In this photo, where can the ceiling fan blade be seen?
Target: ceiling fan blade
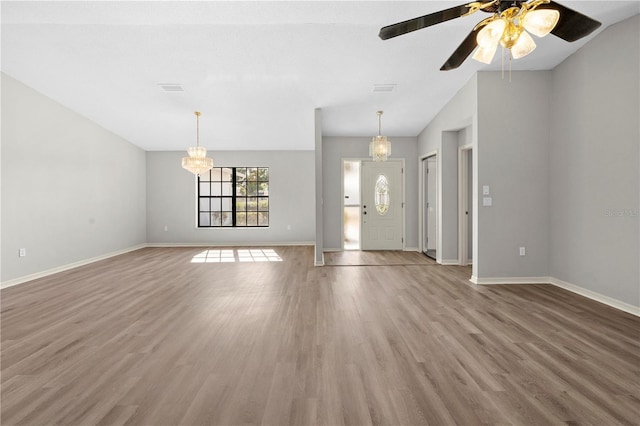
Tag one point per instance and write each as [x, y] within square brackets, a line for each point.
[572, 25]
[410, 25]
[462, 52]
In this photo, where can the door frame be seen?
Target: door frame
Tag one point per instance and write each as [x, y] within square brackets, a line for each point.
[421, 212]
[463, 203]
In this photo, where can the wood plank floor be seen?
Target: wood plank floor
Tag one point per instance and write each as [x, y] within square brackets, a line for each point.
[377, 258]
[150, 338]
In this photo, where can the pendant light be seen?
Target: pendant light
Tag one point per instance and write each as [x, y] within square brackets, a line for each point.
[380, 147]
[197, 162]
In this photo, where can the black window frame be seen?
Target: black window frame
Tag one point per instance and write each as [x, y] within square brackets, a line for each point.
[237, 199]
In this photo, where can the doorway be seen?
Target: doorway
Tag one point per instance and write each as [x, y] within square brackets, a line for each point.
[430, 206]
[382, 193]
[465, 205]
[373, 205]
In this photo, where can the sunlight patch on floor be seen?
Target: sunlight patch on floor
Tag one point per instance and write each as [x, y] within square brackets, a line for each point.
[236, 255]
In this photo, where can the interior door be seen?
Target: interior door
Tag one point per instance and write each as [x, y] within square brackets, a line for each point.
[382, 218]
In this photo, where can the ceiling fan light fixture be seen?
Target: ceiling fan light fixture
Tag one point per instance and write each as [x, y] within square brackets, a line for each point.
[552, 17]
[540, 22]
[523, 46]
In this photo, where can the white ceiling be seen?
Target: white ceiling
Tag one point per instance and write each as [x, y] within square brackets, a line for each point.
[256, 69]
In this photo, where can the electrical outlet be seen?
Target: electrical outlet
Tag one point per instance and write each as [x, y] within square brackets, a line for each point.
[522, 251]
[22, 252]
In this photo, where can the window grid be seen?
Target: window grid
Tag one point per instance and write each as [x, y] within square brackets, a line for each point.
[234, 197]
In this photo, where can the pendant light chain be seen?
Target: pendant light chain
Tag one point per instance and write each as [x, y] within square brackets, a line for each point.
[198, 128]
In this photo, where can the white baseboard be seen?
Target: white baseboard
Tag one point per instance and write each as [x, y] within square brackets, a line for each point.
[448, 262]
[332, 250]
[232, 244]
[510, 280]
[412, 249]
[42, 274]
[614, 303]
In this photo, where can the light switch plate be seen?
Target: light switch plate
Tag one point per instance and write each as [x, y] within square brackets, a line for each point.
[486, 190]
[487, 201]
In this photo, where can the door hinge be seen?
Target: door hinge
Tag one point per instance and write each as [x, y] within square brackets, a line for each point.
[403, 204]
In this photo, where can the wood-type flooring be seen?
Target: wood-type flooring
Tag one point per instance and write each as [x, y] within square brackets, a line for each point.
[160, 336]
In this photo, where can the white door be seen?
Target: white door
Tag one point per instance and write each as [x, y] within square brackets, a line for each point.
[381, 192]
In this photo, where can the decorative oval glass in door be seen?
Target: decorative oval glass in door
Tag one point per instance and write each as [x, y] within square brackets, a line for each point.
[381, 195]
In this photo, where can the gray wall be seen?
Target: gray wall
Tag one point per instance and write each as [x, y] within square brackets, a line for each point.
[448, 182]
[171, 195]
[513, 159]
[71, 190]
[457, 120]
[334, 149]
[594, 179]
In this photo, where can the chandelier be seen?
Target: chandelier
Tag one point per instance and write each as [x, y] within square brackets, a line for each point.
[197, 162]
[380, 147]
[507, 28]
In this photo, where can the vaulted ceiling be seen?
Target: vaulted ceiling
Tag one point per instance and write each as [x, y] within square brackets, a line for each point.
[256, 69]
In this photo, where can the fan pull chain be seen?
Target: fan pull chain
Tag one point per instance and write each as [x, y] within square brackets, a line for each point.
[510, 61]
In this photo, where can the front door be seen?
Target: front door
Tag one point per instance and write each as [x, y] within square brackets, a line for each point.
[382, 218]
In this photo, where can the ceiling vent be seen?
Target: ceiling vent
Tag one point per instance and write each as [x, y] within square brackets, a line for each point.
[384, 87]
[171, 87]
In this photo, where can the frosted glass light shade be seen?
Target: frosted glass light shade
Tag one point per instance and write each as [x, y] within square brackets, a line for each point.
[541, 22]
[485, 54]
[379, 148]
[489, 36]
[523, 46]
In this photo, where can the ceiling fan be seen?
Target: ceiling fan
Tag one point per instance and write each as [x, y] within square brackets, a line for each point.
[509, 25]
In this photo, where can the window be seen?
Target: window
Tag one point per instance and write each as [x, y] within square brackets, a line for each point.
[233, 197]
